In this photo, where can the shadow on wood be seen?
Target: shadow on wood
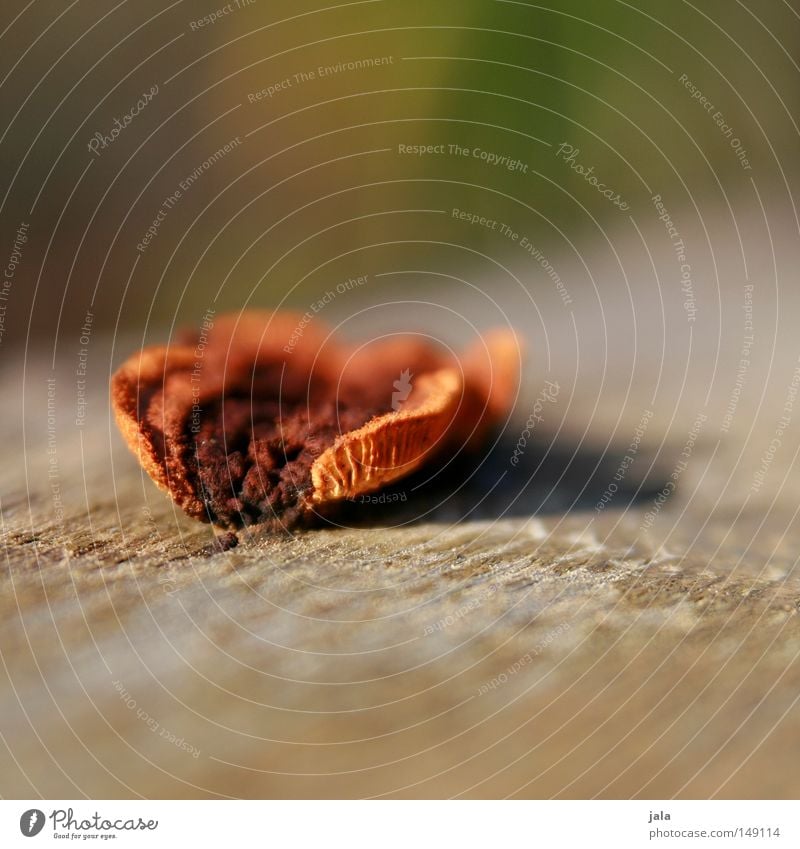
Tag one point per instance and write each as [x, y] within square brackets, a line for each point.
[544, 480]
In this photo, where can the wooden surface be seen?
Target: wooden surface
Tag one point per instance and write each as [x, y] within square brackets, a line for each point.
[525, 656]
[533, 646]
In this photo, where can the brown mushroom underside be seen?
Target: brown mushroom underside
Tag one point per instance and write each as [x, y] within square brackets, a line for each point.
[252, 423]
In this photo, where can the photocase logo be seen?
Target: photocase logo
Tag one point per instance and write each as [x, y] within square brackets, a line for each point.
[66, 825]
[31, 822]
[402, 389]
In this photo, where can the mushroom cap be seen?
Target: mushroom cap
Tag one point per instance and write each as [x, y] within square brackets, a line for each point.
[390, 446]
[451, 401]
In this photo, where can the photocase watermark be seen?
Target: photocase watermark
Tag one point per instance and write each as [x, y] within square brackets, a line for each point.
[497, 160]
[495, 225]
[780, 429]
[100, 141]
[528, 246]
[53, 473]
[744, 360]
[680, 467]
[569, 154]
[520, 664]
[80, 371]
[451, 619]
[31, 822]
[680, 254]
[9, 272]
[380, 498]
[195, 379]
[626, 462]
[402, 389]
[172, 200]
[319, 305]
[152, 723]
[218, 14]
[719, 119]
[318, 73]
[95, 826]
[476, 219]
[156, 541]
[548, 395]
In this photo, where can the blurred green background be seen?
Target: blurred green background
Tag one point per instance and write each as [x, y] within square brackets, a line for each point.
[316, 190]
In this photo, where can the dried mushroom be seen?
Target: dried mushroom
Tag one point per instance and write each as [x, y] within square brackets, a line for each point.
[266, 418]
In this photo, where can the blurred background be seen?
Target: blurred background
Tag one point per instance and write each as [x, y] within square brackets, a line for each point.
[320, 104]
[618, 182]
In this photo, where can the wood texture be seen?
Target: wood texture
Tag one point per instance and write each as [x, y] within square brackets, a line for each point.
[543, 650]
